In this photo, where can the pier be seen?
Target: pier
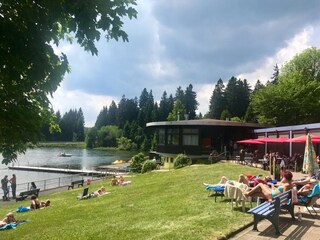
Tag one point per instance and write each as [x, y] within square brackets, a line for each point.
[104, 170]
[57, 170]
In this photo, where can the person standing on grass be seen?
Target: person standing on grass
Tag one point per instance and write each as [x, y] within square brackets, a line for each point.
[13, 182]
[4, 186]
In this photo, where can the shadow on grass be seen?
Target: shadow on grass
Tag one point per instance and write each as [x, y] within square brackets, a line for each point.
[290, 229]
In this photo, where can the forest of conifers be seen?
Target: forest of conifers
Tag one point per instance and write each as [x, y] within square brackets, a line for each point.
[291, 96]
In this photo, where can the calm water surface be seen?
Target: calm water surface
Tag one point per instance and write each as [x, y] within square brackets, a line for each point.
[85, 159]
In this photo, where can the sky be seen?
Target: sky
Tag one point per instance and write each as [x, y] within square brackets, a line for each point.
[180, 42]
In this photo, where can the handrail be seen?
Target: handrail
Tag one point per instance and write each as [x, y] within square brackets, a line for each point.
[52, 183]
[211, 158]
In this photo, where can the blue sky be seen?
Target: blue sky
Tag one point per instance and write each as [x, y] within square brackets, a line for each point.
[178, 42]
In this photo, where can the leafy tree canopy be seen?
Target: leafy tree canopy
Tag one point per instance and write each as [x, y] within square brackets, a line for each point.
[30, 70]
[177, 112]
[295, 99]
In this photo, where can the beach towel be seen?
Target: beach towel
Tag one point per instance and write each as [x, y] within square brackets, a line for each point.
[124, 183]
[22, 209]
[215, 188]
[8, 226]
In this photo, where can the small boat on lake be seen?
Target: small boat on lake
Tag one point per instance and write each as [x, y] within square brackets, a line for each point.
[64, 155]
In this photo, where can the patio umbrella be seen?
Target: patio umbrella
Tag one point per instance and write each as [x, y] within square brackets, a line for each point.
[303, 138]
[273, 140]
[310, 164]
[250, 141]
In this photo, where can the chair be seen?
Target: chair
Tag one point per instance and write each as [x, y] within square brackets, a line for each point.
[310, 200]
[84, 194]
[234, 191]
[215, 190]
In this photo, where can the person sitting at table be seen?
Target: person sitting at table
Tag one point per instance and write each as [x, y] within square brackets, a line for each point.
[264, 191]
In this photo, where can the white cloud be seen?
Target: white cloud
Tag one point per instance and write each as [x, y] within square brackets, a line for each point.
[204, 92]
[90, 104]
[168, 48]
[296, 45]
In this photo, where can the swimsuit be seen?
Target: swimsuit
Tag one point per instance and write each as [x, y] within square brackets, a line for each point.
[273, 192]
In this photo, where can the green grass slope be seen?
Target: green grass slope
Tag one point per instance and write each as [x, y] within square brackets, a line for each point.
[157, 205]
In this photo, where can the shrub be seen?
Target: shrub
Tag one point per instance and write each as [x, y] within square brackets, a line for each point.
[126, 144]
[136, 162]
[148, 166]
[181, 160]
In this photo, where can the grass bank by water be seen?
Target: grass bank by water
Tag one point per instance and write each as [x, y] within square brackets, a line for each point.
[157, 205]
[62, 144]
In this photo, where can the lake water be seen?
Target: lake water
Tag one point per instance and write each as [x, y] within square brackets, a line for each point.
[85, 159]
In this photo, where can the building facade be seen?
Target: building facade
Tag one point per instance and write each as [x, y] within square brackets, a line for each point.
[198, 138]
[294, 131]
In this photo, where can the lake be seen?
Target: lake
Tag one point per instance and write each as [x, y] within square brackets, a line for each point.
[85, 159]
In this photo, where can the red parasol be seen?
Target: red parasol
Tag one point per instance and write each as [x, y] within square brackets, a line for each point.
[303, 138]
[250, 141]
[273, 140]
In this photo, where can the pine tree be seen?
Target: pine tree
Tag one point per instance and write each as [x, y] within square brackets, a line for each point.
[190, 102]
[217, 101]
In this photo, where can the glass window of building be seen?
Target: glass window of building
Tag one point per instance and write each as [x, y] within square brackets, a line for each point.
[173, 136]
[162, 136]
[190, 137]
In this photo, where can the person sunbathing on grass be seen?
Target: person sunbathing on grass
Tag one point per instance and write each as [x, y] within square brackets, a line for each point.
[100, 192]
[122, 182]
[303, 181]
[114, 181]
[103, 189]
[8, 219]
[264, 191]
[307, 189]
[221, 183]
[36, 204]
[97, 193]
[242, 179]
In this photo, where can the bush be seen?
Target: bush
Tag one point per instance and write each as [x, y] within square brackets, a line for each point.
[136, 162]
[181, 161]
[126, 144]
[148, 166]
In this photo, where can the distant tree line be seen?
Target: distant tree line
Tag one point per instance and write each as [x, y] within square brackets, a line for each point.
[71, 127]
[125, 122]
[291, 96]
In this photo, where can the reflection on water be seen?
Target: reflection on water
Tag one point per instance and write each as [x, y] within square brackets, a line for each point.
[85, 159]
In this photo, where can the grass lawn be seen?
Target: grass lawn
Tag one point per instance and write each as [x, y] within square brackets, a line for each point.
[62, 144]
[157, 205]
